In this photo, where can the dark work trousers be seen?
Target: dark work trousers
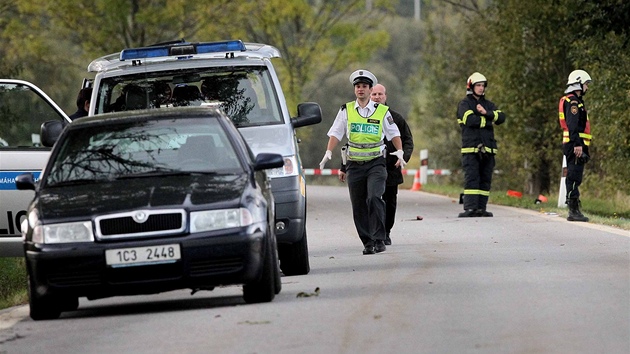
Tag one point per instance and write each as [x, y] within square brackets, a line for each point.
[478, 175]
[390, 197]
[575, 171]
[366, 184]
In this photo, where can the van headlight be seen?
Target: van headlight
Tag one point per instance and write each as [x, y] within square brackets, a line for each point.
[64, 233]
[209, 220]
[290, 168]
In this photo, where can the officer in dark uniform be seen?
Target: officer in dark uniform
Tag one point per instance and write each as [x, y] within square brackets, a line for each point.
[365, 124]
[83, 103]
[394, 172]
[576, 138]
[477, 117]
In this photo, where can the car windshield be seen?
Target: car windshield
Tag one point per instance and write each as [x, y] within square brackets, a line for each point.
[245, 94]
[147, 148]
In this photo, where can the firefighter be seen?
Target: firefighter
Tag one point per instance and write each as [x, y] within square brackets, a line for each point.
[477, 117]
[576, 138]
[366, 124]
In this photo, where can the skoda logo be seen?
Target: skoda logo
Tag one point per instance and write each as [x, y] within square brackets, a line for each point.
[140, 217]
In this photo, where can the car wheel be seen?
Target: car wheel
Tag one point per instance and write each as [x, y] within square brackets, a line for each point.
[294, 257]
[42, 307]
[276, 267]
[263, 290]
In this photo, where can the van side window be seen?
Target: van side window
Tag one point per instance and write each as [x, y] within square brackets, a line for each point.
[22, 112]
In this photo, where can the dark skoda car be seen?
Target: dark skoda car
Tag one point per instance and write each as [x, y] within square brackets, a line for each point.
[146, 202]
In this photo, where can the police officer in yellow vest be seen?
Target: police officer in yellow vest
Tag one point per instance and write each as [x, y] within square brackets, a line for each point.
[365, 124]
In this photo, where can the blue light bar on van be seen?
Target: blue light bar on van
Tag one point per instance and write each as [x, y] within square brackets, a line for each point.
[182, 49]
[225, 46]
[141, 53]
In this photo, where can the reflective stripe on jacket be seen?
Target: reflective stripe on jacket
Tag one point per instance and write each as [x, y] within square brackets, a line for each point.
[571, 106]
[477, 129]
[365, 133]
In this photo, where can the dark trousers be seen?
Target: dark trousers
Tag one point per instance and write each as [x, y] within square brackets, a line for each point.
[575, 171]
[478, 175]
[390, 197]
[366, 184]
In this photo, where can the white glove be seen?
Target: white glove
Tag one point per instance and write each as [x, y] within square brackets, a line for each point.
[327, 157]
[399, 154]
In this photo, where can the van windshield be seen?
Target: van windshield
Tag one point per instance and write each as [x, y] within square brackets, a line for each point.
[245, 94]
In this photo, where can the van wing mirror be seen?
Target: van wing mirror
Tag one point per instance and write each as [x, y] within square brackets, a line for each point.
[50, 132]
[309, 113]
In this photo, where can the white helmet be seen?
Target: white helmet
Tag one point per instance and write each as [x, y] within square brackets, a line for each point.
[578, 77]
[474, 79]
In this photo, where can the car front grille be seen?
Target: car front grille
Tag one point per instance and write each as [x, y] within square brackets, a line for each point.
[141, 223]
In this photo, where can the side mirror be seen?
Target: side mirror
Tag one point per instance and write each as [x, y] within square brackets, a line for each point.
[50, 132]
[265, 161]
[25, 181]
[309, 113]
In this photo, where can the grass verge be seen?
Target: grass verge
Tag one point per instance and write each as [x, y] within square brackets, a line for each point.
[614, 211]
[12, 282]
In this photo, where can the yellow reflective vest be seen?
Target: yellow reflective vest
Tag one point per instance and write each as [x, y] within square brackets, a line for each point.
[365, 134]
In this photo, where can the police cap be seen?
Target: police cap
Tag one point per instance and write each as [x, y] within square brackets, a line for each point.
[363, 76]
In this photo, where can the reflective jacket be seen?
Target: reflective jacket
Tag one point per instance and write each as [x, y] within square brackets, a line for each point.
[365, 133]
[576, 128]
[477, 129]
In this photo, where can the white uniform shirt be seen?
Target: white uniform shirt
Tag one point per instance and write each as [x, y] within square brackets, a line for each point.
[339, 127]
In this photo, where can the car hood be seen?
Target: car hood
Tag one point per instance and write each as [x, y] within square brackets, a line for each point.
[275, 139]
[192, 192]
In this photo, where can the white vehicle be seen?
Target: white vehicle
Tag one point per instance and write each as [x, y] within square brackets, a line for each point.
[239, 77]
[23, 109]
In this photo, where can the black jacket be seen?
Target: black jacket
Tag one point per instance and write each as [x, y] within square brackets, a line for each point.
[78, 114]
[394, 174]
[476, 128]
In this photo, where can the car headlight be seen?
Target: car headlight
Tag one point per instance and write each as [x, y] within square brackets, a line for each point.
[64, 233]
[290, 168]
[209, 220]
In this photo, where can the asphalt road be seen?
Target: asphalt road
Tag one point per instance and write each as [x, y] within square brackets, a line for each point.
[520, 282]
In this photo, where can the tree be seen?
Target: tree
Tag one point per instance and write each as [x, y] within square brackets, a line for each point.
[316, 38]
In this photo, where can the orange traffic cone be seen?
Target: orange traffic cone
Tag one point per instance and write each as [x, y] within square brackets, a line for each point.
[416, 182]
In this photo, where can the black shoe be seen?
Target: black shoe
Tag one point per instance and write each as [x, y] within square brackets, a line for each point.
[468, 213]
[369, 249]
[380, 247]
[484, 213]
[388, 241]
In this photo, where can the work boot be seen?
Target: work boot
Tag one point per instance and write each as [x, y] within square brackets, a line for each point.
[380, 246]
[484, 213]
[574, 210]
[468, 213]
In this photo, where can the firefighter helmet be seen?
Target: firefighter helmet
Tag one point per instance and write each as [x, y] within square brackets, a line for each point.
[578, 77]
[473, 79]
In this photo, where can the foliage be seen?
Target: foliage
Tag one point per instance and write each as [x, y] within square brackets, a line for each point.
[315, 39]
[12, 281]
[527, 60]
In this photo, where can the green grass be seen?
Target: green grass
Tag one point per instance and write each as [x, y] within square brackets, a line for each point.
[12, 282]
[613, 211]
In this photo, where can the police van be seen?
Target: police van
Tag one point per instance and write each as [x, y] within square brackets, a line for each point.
[241, 78]
[23, 109]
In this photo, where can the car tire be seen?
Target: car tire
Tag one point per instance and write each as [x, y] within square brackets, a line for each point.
[276, 267]
[264, 289]
[294, 257]
[42, 307]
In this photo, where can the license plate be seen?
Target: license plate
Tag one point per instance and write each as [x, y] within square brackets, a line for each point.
[125, 257]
